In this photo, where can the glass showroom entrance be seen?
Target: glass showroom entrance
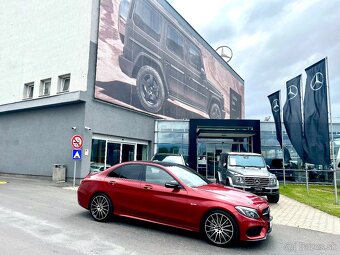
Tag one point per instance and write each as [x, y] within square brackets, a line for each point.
[107, 152]
[209, 150]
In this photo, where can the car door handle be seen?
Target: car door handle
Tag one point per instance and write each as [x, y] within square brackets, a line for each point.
[112, 182]
[147, 187]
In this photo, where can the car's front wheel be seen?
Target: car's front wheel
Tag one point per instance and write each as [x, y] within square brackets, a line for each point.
[273, 198]
[150, 89]
[101, 207]
[220, 229]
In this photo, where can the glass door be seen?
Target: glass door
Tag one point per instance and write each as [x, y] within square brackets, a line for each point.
[128, 152]
[112, 154]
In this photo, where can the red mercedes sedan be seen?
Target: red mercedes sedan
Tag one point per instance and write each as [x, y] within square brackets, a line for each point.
[175, 195]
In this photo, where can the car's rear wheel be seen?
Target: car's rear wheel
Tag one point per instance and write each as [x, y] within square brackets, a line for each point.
[273, 198]
[150, 89]
[101, 207]
[220, 228]
[215, 111]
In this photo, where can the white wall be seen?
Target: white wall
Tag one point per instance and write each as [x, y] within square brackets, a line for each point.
[42, 39]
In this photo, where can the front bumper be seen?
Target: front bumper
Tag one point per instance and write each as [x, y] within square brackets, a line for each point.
[126, 65]
[255, 229]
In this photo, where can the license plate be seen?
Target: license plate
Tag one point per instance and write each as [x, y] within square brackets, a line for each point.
[258, 189]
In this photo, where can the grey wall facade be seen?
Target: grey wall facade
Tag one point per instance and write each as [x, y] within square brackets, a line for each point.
[32, 141]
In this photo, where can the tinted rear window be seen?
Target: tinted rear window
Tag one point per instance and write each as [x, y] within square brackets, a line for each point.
[131, 172]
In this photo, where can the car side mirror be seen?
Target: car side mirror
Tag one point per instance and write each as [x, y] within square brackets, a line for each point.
[173, 185]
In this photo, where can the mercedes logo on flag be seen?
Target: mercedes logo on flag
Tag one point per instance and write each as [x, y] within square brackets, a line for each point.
[292, 92]
[317, 81]
[275, 105]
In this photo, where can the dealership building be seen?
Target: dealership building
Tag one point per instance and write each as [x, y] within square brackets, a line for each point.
[130, 78]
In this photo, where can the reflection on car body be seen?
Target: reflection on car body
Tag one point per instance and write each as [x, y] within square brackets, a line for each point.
[165, 62]
[174, 195]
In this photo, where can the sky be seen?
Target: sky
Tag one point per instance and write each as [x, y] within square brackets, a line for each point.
[272, 41]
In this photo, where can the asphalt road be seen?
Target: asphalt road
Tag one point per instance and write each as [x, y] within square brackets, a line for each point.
[40, 217]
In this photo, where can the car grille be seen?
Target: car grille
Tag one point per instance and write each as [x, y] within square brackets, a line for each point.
[256, 181]
[266, 213]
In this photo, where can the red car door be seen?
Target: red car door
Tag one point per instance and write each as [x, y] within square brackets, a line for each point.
[124, 189]
[160, 203]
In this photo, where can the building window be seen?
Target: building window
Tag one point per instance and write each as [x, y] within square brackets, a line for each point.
[45, 87]
[28, 90]
[64, 83]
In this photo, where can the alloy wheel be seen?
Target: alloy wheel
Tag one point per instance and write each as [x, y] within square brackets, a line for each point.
[100, 207]
[219, 228]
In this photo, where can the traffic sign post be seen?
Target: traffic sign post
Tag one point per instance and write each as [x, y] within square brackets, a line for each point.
[76, 154]
[77, 144]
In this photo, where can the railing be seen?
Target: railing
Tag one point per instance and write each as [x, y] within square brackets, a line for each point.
[300, 175]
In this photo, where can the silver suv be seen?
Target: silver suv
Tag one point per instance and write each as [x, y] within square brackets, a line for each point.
[248, 171]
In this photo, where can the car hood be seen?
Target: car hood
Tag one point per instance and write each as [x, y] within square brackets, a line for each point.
[250, 171]
[233, 196]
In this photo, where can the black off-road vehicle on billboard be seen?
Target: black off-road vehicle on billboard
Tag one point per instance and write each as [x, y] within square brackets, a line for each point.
[165, 61]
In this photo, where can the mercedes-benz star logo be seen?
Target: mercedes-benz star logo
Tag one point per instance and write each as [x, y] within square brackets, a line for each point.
[275, 105]
[317, 81]
[257, 181]
[292, 92]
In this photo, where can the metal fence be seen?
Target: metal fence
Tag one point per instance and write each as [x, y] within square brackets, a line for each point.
[303, 175]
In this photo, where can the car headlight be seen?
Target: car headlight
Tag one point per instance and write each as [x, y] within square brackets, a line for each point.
[248, 212]
[238, 180]
[272, 181]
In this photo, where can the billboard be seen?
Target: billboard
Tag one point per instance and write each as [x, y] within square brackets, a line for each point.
[151, 60]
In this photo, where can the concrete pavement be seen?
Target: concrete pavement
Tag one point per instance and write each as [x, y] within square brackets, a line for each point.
[289, 212]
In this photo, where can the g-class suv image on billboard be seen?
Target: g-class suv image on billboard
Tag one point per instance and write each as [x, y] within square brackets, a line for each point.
[165, 60]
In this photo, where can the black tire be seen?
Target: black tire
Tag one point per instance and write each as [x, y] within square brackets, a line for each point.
[101, 207]
[220, 229]
[215, 111]
[150, 89]
[273, 198]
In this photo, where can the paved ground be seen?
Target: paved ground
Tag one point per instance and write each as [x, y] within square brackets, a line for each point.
[292, 213]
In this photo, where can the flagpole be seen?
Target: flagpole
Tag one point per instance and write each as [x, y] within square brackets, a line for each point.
[303, 133]
[332, 135]
[283, 153]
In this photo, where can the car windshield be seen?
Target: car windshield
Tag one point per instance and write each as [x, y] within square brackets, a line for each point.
[187, 176]
[246, 161]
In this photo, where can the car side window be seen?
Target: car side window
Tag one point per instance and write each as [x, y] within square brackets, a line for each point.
[195, 57]
[148, 19]
[157, 175]
[131, 172]
[175, 41]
